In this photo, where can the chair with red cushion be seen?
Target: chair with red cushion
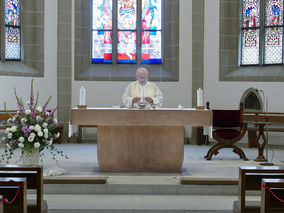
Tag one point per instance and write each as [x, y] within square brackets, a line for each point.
[228, 129]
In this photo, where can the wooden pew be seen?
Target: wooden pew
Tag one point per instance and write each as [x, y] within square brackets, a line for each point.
[250, 178]
[34, 175]
[9, 190]
[276, 120]
[1, 204]
[268, 202]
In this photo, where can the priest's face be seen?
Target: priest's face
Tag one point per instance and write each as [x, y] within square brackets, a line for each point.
[142, 76]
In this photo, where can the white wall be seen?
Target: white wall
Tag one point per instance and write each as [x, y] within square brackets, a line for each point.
[48, 84]
[227, 95]
[108, 93]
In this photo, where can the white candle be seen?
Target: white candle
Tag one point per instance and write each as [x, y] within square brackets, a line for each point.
[82, 100]
[200, 97]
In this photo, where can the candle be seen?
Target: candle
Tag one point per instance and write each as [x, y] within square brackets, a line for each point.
[82, 100]
[200, 97]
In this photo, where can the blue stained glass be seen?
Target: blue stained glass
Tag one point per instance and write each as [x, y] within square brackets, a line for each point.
[126, 13]
[151, 47]
[126, 47]
[102, 14]
[102, 47]
[274, 13]
[151, 14]
[251, 13]
[12, 12]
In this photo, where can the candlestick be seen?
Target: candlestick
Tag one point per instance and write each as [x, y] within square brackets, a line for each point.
[82, 100]
[200, 97]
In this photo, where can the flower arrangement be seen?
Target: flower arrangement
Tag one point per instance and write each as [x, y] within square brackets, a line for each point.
[30, 129]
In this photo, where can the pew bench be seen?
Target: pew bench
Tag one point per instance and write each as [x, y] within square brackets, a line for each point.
[250, 178]
[1, 204]
[275, 119]
[268, 202]
[9, 189]
[34, 176]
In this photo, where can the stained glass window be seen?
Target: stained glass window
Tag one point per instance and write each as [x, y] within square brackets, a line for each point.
[250, 46]
[151, 31]
[126, 24]
[250, 32]
[262, 36]
[12, 30]
[102, 31]
[273, 32]
[124, 47]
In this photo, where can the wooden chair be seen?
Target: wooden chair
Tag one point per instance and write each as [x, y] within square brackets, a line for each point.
[34, 175]
[268, 202]
[228, 129]
[9, 188]
[250, 178]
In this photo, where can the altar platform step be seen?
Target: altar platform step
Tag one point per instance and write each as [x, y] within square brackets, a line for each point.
[140, 185]
[139, 204]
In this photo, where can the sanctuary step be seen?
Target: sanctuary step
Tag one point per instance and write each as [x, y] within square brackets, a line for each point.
[139, 203]
[143, 194]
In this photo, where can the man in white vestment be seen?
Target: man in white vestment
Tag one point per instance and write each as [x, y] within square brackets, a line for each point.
[142, 91]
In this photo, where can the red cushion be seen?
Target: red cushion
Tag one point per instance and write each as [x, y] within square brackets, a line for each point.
[227, 133]
[226, 118]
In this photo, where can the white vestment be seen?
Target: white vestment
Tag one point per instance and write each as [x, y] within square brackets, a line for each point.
[148, 90]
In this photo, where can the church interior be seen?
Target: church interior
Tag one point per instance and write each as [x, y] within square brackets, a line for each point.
[211, 143]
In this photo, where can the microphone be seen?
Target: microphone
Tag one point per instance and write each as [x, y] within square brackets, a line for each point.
[265, 103]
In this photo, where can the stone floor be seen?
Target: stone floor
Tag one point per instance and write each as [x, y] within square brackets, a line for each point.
[147, 192]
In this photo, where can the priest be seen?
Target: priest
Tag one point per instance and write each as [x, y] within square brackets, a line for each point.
[142, 92]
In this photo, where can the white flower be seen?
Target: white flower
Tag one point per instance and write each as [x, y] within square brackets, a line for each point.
[23, 120]
[10, 135]
[45, 130]
[44, 125]
[55, 120]
[36, 145]
[31, 127]
[3, 139]
[39, 109]
[28, 102]
[40, 134]
[13, 129]
[49, 142]
[21, 145]
[47, 113]
[21, 139]
[8, 130]
[27, 111]
[30, 138]
[18, 112]
[10, 120]
[37, 128]
[8, 146]
[57, 135]
[38, 118]
[33, 134]
[46, 135]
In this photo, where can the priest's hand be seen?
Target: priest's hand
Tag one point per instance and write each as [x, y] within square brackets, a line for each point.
[135, 100]
[149, 100]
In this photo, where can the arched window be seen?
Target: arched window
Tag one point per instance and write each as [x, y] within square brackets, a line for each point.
[12, 30]
[261, 40]
[127, 31]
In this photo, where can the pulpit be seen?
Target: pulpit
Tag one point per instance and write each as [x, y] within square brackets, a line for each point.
[133, 140]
